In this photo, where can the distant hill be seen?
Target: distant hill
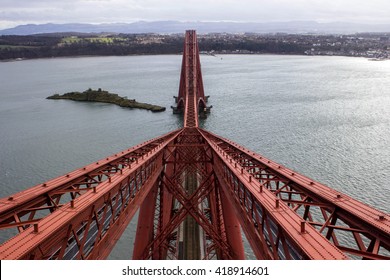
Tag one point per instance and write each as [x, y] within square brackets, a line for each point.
[168, 27]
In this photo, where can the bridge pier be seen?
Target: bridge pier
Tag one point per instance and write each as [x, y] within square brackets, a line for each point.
[176, 110]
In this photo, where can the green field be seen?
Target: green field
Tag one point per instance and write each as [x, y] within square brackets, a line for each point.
[76, 40]
[17, 47]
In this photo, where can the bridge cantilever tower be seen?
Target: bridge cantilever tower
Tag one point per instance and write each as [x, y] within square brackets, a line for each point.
[195, 192]
[191, 96]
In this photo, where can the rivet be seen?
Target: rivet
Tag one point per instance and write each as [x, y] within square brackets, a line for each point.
[311, 183]
[67, 175]
[292, 173]
[338, 195]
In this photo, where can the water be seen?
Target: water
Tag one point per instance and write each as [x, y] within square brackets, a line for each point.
[326, 117]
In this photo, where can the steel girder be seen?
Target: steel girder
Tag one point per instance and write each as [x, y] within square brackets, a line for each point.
[188, 158]
[25, 208]
[353, 227]
[191, 106]
[190, 179]
[264, 196]
[145, 233]
[88, 226]
[191, 98]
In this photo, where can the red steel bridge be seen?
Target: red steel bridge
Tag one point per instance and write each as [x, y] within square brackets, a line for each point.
[196, 192]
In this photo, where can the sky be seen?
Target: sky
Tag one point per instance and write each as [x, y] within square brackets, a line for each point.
[17, 12]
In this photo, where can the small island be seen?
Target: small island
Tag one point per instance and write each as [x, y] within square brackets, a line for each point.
[106, 97]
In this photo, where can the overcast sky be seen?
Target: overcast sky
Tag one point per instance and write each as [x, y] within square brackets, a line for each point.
[16, 12]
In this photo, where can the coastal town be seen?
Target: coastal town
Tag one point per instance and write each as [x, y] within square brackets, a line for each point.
[370, 45]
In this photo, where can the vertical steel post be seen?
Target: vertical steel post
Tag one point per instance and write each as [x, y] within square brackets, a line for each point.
[145, 232]
[166, 202]
[233, 229]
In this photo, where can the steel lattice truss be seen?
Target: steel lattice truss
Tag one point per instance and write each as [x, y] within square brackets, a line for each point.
[356, 229]
[195, 191]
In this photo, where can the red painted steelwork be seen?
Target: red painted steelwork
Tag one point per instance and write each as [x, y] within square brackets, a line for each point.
[259, 213]
[191, 106]
[194, 190]
[332, 213]
[189, 154]
[144, 234]
[88, 227]
[165, 205]
[191, 98]
[27, 207]
[233, 229]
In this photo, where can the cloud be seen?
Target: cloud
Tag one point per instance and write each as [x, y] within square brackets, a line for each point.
[99, 11]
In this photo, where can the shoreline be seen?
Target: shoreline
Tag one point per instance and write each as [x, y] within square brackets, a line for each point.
[215, 54]
[77, 56]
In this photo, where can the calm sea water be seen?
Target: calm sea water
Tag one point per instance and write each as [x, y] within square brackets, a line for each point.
[326, 117]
